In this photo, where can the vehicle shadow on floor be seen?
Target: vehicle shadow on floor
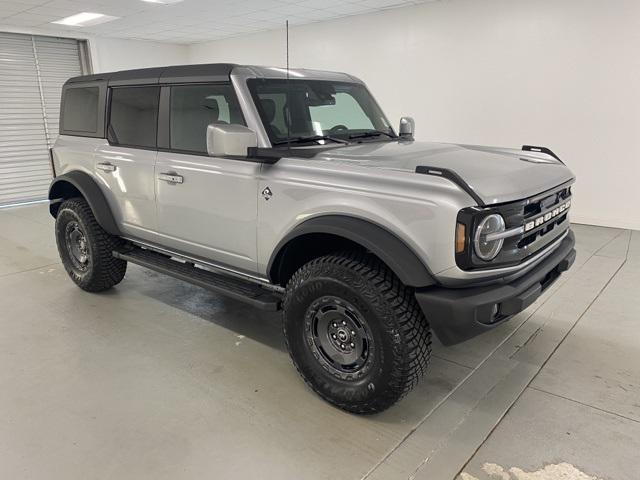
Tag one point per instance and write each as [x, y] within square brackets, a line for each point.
[243, 319]
[266, 327]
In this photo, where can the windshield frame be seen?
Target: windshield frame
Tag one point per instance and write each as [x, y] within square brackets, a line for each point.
[281, 142]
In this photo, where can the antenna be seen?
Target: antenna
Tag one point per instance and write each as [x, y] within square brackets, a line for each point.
[288, 111]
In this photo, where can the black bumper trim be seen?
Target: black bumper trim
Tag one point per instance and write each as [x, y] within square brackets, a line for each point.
[456, 315]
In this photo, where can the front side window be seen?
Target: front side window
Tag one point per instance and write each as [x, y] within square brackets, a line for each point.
[304, 109]
[80, 111]
[194, 107]
[133, 118]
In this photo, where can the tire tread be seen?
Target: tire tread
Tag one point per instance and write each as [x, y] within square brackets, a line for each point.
[414, 350]
[108, 270]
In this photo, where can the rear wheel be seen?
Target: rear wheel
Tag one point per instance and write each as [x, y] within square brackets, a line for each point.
[355, 332]
[86, 249]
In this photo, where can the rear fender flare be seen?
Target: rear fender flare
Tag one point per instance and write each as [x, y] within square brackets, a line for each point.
[65, 186]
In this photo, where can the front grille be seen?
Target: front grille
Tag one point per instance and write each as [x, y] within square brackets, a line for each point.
[539, 237]
[527, 212]
[531, 238]
[537, 204]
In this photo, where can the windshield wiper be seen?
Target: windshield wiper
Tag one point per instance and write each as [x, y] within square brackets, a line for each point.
[371, 133]
[312, 138]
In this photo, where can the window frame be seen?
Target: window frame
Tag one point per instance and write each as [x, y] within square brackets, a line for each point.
[164, 118]
[253, 82]
[101, 121]
[108, 116]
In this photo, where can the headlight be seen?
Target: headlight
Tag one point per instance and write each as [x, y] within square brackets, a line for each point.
[485, 248]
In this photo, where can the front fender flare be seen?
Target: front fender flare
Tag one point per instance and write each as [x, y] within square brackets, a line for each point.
[59, 190]
[393, 251]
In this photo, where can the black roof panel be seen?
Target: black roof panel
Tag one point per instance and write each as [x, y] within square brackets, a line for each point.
[206, 72]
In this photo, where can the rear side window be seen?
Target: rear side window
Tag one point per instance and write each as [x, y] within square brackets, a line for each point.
[80, 112]
[133, 117]
[194, 107]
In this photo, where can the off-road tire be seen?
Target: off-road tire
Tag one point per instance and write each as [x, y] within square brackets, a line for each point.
[101, 270]
[399, 331]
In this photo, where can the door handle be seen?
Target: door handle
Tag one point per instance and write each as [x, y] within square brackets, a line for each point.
[171, 177]
[106, 167]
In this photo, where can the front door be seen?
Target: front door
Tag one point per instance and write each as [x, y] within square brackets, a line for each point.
[206, 206]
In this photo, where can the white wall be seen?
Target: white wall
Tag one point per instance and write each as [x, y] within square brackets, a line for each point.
[110, 54]
[560, 73]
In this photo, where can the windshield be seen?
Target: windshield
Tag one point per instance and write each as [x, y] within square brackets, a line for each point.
[337, 111]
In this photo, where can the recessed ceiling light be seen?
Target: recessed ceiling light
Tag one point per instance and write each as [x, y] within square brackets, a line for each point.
[164, 2]
[85, 19]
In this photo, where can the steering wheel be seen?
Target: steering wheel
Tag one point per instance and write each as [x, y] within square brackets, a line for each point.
[337, 128]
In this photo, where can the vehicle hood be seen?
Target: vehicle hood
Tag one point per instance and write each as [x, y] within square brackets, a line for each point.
[495, 174]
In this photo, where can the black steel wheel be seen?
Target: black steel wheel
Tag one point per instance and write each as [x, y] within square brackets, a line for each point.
[354, 332]
[86, 249]
[338, 335]
[77, 246]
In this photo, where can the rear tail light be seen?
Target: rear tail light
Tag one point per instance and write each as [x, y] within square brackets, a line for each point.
[53, 167]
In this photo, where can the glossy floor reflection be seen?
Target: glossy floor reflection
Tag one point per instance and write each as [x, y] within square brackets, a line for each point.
[158, 379]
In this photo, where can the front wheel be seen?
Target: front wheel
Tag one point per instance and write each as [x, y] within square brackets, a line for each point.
[86, 250]
[355, 333]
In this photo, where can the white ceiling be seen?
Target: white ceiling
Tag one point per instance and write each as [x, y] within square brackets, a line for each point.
[190, 21]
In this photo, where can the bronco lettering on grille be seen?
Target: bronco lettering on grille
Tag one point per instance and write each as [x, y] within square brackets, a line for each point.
[542, 219]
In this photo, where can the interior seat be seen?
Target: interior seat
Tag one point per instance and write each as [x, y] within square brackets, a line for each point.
[269, 109]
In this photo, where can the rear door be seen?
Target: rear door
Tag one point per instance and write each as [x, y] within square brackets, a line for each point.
[125, 163]
[207, 206]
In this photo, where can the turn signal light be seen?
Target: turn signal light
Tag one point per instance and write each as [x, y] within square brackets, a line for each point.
[460, 237]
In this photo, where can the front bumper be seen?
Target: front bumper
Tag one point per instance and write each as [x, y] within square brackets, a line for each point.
[458, 314]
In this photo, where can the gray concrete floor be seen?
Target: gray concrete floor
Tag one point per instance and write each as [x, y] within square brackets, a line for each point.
[157, 379]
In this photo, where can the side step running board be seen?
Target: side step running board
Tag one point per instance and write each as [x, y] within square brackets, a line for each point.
[238, 289]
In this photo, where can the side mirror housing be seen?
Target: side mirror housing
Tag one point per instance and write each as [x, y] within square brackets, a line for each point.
[224, 140]
[407, 128]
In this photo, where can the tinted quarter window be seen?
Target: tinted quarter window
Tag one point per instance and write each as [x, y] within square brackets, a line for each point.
[133, 118]
[80, 111]
[194, 107]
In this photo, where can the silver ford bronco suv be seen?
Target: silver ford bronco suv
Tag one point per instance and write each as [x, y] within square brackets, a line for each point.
[290, 189]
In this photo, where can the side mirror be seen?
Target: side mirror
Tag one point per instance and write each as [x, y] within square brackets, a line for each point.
[223, 140]
[407, 128]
